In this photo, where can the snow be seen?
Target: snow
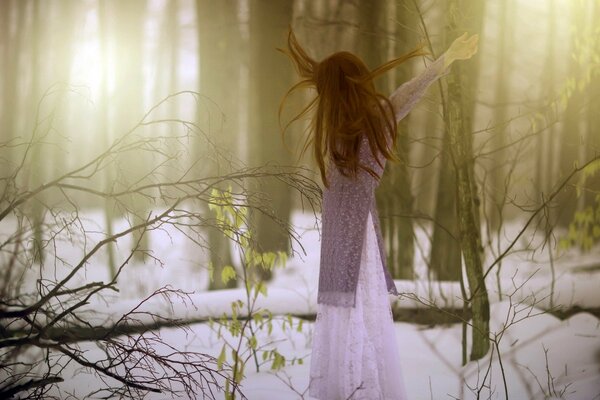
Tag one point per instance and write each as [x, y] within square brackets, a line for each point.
[431, 359]
[542, 356]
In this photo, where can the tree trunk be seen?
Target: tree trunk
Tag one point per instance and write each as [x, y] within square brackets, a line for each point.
[219, 40]
[572, 134]
[36, 169]
[445, 261]
[445, 249]
[105, 134]
[545, 138]
[497, 175]
[270, 77]
[10, 75]
[394, 196]
[592, 143]
[127, 109]
[458, 124]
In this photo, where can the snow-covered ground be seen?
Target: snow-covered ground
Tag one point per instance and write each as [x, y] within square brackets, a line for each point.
[542, 357]
[570, 369]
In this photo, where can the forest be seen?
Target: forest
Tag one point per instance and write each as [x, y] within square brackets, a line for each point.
[160, 232]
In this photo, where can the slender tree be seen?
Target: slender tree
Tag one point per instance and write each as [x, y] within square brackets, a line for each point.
[544, 139]
[593, 119]
[12, 34]
[496, 184]
[394, 197]
[36, 171]
[270, 76]
[445, 259]
[104, 132]
[458, 118]
[571, 135]
[128, 19]
[219, 39]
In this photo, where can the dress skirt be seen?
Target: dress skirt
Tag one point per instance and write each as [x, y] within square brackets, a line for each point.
[354, 349]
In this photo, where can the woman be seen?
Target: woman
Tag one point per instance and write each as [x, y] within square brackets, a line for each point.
[353, 133]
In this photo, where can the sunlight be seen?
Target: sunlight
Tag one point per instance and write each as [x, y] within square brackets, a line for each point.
[87, 66]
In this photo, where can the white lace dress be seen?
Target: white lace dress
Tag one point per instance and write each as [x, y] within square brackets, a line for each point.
[354, 350]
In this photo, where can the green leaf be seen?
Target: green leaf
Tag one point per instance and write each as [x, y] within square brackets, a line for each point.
[221, 358]
[211, 271]
[283, 257]
[240, 374]
[253, 342]
[258, 318]
[228, 394]
[278, 361]
[268, 260]
[261, 288]
[228, 273]
[239, 220]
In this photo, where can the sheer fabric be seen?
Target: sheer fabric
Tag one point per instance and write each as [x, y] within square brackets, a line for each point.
[354, 350]
[348, 201]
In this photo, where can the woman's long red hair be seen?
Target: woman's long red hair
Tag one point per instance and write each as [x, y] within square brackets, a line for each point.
[348, 106]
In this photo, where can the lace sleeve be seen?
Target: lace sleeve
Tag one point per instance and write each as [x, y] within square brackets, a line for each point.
[405, 97]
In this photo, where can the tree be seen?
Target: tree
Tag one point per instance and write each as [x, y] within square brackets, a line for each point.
[458, 124]
[128, 19]
[544, 139]
[103, 125]
[270, 77]
[45, 320]
[593, 118]
[445, 260]
[35, 171]
[219, 40]
[12, 40]
[571, 134]
[497, 175]
[394, 196]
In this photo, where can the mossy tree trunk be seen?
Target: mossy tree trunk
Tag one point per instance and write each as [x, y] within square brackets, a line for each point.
[458, 114]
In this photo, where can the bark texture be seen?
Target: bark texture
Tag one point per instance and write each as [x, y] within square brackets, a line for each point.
[459, 109]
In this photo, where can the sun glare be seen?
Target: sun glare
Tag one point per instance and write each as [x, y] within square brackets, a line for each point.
[87, 66]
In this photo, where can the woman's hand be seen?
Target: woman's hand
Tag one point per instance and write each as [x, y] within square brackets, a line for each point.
[462, 48]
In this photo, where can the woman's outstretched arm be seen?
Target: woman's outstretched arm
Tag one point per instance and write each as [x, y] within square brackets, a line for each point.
[405, 97]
